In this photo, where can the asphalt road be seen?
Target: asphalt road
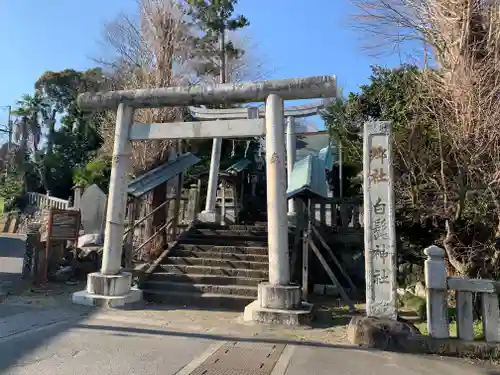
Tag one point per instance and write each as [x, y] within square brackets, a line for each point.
[62, 348]
[62, 341]
[73, 340]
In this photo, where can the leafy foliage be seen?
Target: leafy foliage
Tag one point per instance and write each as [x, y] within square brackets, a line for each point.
[47, 163]
[98, 172]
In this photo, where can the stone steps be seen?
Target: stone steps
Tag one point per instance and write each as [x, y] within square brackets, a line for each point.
[206, 279]
[216, 271]
[236, 290]
[220, 255]
[213, 267]
[231, 232]
[217, 262]
[219, 240]
[256, 227]
[204, 300]
[248, 250]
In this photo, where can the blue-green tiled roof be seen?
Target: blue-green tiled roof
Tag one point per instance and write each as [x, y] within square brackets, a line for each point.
[149, 180]
[308, 178]
[327, 157]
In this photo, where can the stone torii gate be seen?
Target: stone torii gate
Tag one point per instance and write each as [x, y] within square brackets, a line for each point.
[111, 286]
[290, 114]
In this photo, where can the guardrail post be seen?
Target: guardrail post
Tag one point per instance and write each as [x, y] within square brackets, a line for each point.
[465, 317]
[437, 293]
[32, 252]
[77, 196]
[491, 317]
[192, 201]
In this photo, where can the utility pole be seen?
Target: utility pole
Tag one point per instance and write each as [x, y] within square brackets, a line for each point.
[9, 126]
[8, 130]
[341, 185]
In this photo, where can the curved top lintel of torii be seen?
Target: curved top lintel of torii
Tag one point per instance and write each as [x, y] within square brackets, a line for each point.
[305, 110]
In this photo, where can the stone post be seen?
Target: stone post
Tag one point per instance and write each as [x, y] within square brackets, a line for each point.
[210, 213]
[192, 202]
[278, 300]
[31, 253]
[291, 146]
[110, 286]
[437, 293]
[77, 196]
[279, 273]
[380, 231]
[223, 203]
[117, 200]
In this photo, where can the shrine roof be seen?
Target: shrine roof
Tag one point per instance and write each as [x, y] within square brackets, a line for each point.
[239, 166]
[151, 179]
[308, 178]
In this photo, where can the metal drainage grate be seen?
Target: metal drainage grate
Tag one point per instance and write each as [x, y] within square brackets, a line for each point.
[241, 358]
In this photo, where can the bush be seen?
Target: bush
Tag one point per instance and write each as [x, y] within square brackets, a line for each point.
[96, 172]
[12, 190]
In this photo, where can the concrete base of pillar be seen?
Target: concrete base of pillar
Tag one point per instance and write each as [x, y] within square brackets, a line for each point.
[108, 291]
[279, 304]
[209, 217]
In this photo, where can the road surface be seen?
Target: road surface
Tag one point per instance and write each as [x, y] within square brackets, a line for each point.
[69, 339]
[80, 342]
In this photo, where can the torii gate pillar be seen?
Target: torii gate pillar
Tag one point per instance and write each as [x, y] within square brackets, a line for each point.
[278, 300]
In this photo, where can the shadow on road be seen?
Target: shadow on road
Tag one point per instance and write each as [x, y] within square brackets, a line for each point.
[14, 348]
[47, 326]
[129, 331]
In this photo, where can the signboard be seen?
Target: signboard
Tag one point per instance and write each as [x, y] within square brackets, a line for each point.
[63, 225]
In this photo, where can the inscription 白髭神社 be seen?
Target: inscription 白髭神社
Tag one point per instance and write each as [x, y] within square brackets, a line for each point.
[379, 221]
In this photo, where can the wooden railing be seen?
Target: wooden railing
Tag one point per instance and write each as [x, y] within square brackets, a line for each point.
[44, 201]
[339, 213]
[314, 243]
[438, 287]
[181, 211]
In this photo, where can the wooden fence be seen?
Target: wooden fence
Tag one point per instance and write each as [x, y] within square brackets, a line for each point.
[45, 201]
[339, 213]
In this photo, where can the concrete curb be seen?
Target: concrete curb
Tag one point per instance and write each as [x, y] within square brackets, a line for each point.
[454, 347]
[401, 336]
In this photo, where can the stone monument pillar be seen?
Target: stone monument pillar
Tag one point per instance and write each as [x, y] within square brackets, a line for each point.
[380, 232]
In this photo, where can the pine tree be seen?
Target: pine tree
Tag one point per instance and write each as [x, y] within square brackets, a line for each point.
[212, 49]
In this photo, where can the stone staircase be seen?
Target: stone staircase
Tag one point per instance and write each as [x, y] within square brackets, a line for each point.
[212, 266]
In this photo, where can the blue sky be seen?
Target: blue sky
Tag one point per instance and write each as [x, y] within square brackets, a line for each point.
[296, 37]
